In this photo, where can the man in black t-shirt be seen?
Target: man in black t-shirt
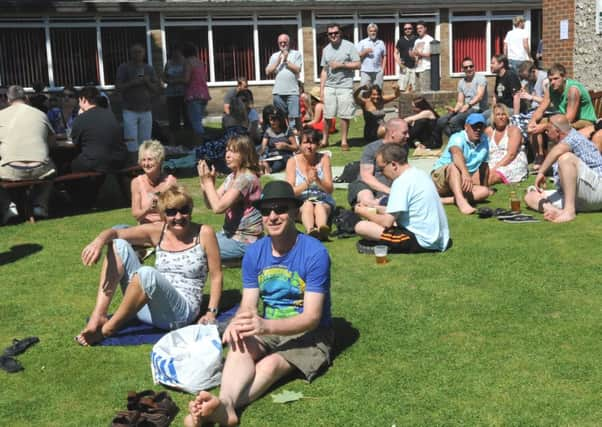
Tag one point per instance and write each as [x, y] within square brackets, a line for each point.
[406, 62]
[97, 134]
[507, 85]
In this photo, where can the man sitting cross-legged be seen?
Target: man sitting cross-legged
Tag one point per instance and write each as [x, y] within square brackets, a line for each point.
[461, 173]
[290, 273]
[577, 173]
[414, 219]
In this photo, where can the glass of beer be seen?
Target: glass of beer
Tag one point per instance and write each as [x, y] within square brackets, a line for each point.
[380, 251]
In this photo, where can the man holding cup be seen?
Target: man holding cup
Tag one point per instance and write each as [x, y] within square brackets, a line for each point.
[414, 220]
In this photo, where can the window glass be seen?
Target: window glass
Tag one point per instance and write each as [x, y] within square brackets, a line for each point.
[74, 56]
[233, 54]
[116, 43]
[23, 58]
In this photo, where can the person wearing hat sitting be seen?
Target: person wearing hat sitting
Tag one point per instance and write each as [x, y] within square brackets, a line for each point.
[461, 173]
[318, 121]
[290, 273]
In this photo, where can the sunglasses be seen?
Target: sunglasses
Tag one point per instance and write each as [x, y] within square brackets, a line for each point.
[184, 210]
[408, 28]
[468, 67]
[334, 33]
[278, 209]
[477, 127]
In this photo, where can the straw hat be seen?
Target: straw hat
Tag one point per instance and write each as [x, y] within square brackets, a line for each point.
[315, 93]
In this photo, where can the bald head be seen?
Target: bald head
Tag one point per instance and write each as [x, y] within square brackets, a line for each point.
[396, 131]
[561, 123]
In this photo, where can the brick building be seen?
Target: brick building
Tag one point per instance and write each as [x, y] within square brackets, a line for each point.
[78, 42]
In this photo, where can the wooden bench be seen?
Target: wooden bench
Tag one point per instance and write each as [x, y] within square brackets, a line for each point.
[25, 203]
[596, 97]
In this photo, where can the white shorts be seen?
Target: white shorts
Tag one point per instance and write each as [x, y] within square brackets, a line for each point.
[407, 79]
[589, 191]
[338, 102]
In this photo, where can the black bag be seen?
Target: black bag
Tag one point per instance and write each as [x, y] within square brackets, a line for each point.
[351, 172]
[345, 221]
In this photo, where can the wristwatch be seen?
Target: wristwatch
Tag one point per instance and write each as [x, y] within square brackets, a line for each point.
[212, 310]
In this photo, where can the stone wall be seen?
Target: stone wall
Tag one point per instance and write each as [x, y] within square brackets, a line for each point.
[588, 45]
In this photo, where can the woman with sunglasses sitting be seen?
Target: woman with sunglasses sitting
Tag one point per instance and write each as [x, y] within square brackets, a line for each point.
[310, 175]
[234, 198]
[277, 145]
[168, 295]
[64, 108]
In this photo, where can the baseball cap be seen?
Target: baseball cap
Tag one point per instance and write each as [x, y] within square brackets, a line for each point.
[475, 118]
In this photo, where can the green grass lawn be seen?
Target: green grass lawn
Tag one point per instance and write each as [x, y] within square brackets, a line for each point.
[503, 329]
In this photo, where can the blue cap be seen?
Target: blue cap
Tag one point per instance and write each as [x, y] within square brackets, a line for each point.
[475, 118]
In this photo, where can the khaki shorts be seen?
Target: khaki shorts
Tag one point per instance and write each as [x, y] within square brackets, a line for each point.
[309, 352]
[589, 191]
[423, 81]
[439, 178]
[407, 79]
[338, 102]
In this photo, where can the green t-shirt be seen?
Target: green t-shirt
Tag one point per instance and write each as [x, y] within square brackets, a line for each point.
[586, 108]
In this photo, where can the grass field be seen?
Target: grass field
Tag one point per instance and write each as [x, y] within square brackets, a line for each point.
[502, 329]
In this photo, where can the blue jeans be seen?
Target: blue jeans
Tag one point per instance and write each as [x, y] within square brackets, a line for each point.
[137, 128]
[230, 248]
[290, 105]
[196, 111]
[166, 307]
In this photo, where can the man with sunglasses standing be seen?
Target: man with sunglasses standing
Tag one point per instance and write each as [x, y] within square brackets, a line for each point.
[290, 273]
[472, 98]
[461, 173]
[340, 59]
[406, 62]
[286, 65]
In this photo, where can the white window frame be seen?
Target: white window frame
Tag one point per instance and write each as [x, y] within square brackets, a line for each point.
[488, 17]
[358, 19]
[598, 16]
[254, 20]
[96, 22]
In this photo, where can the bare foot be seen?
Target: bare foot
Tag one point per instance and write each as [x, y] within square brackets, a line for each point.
[550, 211]
[562, 216]
[344, 146]
[202, 408]
[466, 209]
[92, 334]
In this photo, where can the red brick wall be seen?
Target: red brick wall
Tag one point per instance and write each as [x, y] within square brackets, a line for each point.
[556, 50]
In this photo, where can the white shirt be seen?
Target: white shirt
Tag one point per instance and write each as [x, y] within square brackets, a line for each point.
[514, 40]
[423, 45]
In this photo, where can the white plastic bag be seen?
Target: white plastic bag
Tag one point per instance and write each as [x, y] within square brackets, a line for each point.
[189, 359]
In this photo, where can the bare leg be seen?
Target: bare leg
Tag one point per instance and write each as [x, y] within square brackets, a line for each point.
[325, 133]
[321, 212]
[344, 133]
[111, 273]
[568, 169]
[480, 192]
[449, 200]
[369, 230]
[366, 197]
[532, 199]
[307, 216]
[454, 180]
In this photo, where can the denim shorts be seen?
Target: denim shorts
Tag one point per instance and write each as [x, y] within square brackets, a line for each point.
[166, 308]
[229, 248]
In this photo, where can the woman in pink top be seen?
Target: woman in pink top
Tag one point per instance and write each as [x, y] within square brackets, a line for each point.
[197, 91]
[147, 188]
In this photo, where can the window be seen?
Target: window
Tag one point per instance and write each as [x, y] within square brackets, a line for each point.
[23, 58]
[233, 53]
[268, 39]
[177, 36]
[116, 43]
[480, 35]
[74, 56]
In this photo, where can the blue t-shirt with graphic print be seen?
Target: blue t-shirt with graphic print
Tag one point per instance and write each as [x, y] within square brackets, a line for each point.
[283, 281]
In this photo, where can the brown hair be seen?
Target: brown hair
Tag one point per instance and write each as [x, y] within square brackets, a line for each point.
[248, 156]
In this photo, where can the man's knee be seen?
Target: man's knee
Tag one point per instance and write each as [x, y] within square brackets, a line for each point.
[567, 159]
[272, 366]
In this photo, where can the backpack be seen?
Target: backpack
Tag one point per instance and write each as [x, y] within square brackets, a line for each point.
[345, 221]
[351, 172]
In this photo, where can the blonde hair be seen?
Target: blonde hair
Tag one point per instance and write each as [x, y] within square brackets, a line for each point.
[517, 20]
[500, 106]
[174, 196]
[154, 147]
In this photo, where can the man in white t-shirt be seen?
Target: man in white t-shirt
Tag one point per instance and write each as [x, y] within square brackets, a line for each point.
[414, 219]
[422, 53]
[516, 44]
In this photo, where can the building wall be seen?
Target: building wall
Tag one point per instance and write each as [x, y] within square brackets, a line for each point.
[556, 50]
[588, 45]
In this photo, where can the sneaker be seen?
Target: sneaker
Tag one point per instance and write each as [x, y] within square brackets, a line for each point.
[10, 213]
[39, 212]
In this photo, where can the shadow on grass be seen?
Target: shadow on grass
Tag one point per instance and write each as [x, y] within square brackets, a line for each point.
[19, 251]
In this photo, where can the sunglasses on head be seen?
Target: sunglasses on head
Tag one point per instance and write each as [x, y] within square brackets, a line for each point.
[334, 33]
[278, 209]
[184, 210]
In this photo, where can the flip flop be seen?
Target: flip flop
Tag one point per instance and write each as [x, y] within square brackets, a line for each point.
[485, 212]
[10, 365]
[19, 346]
[520, 218]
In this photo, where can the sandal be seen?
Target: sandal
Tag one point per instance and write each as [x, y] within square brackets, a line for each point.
[324, 233]
[153, 420]
[10, 365]
[134, 398]
[345, 147]
[125, 419]
[520, 218]
[484, 212]
[160, 403]
[19, 346]
[315, 233]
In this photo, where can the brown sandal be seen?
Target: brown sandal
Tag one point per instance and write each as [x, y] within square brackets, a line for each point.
[125, 419]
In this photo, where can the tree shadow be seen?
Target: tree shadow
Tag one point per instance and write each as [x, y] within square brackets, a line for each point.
[17, 252]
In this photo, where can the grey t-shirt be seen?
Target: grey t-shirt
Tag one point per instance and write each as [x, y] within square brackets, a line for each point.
[139, 97]
[469, 89]
[369, 158]
[537, 88]
[341, 77]
[285, 82]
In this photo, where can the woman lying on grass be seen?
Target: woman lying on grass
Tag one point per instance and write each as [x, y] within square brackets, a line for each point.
[167, 295]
